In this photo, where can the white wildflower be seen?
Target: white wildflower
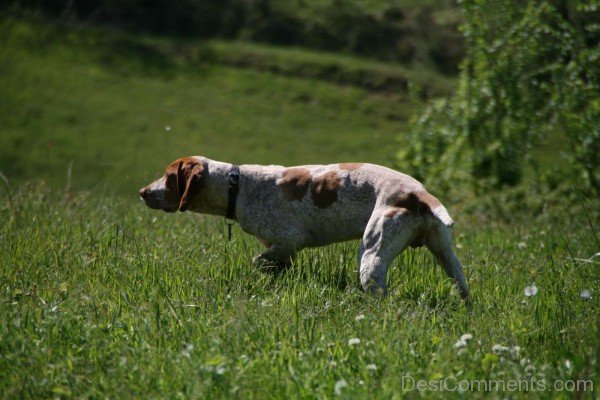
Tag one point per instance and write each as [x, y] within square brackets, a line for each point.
[521, 245]
[585, 294]
[339, 386]
[220, 369]
[515, 351]
[466, 337]
[187, 350]
[167, 128]
[462, 342]
[354, 341]
[569, 365]
[531, 290]
[371, 367]
[498, 348]
[359, 317]
[530, 370]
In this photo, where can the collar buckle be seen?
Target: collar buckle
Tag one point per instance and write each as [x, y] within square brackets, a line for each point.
[232, 192]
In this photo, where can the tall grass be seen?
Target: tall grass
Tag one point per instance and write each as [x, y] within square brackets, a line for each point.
[105, 298]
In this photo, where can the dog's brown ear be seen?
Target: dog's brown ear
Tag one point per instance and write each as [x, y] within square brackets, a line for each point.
[173, 191]
[190, 173]
[183, 181]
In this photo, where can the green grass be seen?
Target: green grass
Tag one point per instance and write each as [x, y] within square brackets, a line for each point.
[343, 69]
[103, 101]
[102, 297]
[106, 298]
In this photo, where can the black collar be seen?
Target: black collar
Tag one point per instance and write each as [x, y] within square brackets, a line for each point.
[232, 192]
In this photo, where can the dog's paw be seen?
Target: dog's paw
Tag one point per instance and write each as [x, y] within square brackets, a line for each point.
[268, 266]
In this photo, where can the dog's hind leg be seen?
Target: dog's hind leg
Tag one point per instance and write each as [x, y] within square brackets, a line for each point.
[439, 242]
[388, 233]
[359, 252]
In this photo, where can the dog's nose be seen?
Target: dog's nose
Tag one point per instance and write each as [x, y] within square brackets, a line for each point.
[143, 193]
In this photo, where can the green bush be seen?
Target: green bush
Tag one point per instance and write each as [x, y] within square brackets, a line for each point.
[529, 74]
[580, 113]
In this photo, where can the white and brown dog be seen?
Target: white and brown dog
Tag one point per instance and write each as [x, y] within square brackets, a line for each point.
[288, 209]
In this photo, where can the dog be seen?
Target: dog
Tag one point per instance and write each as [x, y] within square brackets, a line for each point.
[289, 209]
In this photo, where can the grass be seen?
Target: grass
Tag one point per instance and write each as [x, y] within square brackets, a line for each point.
[342, 69]
[106, 298]
[102, 297]
[104, 101]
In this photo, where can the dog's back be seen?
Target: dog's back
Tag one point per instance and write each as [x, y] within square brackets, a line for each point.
[321, 204]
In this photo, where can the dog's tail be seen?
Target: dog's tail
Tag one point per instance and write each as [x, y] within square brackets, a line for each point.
[422, 201]
[441, 213]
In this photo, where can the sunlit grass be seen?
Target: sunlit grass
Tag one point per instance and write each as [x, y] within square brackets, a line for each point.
[107, 298]
[120, 110]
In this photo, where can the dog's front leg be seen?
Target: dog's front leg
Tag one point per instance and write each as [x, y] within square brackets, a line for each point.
[275, 259]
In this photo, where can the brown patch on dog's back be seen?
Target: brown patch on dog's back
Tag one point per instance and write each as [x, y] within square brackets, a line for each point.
[416, 201]
[324, 189]
[350, 166]
[294, 183]
[428, 199]
[408, 201]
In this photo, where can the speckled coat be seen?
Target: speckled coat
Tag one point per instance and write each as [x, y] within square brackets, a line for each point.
[288, 209]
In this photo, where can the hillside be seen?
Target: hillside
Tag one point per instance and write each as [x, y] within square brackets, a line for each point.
[119, 107]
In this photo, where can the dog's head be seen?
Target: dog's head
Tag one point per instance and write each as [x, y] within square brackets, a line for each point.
[178, 187]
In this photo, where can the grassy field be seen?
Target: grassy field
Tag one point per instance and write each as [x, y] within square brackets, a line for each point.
[104, 298]
[120, 109]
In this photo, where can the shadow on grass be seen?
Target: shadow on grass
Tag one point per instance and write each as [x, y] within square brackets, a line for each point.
[121, 53]
[132, 56]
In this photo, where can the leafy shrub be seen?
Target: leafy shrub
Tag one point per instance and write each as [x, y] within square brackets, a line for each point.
[527, 74]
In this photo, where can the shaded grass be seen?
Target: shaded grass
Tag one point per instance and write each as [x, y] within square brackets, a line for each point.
[106, 298]
[336, 68]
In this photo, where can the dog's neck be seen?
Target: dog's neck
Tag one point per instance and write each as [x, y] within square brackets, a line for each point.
[213, 196]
